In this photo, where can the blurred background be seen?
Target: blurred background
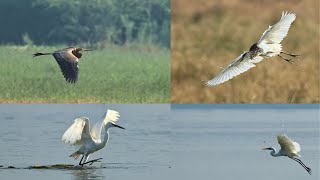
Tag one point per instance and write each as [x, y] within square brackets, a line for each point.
[207, 35]
[131, 63]
[96, 22]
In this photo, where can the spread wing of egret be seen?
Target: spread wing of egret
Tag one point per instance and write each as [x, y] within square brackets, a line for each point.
[290, 149]
[267, 46]
[89, 140]
[240, 65]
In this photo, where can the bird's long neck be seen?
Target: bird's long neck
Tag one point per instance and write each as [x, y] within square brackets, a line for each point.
[106, 137]
[273, 153]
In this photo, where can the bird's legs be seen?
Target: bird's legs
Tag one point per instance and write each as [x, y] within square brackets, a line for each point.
[289, 54]
[40, 54]
[92, 161]
[84, 160]
[80, 161]
[303, 165]
[288, 60]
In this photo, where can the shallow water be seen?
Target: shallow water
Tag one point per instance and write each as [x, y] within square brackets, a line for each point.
[188, 142]
[225, 141]
[31, 135]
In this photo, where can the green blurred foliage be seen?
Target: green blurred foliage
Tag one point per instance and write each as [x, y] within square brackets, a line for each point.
[113, 75]
[94, 22]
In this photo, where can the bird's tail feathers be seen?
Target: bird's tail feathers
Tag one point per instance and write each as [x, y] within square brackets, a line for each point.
[40, 54]
[75, 155]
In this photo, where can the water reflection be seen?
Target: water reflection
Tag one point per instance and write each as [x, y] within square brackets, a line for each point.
[88, 174]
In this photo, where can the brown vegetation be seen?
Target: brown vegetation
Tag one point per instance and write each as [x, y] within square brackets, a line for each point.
[207, 35]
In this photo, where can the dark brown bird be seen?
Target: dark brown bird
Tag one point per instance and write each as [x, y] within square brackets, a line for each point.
[68, 61]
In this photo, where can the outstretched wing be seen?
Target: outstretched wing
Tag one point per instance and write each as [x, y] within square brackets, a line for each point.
[96, 131]
[110, 116]
[288, 146]
[68, 64]
[276, 33]
[78, 132]
[242, 64]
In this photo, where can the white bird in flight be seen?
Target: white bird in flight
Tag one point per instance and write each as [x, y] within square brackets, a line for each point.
[267, 46]
[289, 148]
[79, 134]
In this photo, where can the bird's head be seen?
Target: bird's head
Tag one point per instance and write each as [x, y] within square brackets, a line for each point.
[77, 52]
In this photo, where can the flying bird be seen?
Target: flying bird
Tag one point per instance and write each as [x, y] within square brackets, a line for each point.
[68, 61]
[89, 140]
[267, 46]
[289, 148]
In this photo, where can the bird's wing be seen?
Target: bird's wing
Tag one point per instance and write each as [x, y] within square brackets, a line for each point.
[297, 146]
[276, 33]
[78, 132]
[287, 145]
[68, 64]
[96, 131]
[238, 66]
[110, 115]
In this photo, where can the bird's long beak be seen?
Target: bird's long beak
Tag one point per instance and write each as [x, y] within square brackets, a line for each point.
[115, 125]
[88, 50]
[265, 149]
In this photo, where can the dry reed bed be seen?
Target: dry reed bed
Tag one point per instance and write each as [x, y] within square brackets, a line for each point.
[209, 35]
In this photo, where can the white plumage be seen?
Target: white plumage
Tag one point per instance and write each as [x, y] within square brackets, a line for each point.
[79, 134]
[110, 116]
[276, 33]
[268, 46]
[238, 66]
[289, 148]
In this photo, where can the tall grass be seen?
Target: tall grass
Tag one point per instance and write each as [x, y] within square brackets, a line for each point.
[113, 75]
[207, 35]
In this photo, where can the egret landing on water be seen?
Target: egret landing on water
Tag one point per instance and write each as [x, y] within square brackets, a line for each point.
[90, 141]
[68, 61]
[268, 46]
[289, 148]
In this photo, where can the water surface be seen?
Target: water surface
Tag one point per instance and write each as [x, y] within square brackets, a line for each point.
[225, 141]
[31, 135]
[186, 142]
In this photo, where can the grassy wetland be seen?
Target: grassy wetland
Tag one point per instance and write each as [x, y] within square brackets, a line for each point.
[207, 35]
[114, 75]
[130, 64]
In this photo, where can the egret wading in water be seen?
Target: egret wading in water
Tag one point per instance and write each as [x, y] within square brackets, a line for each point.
[289, 148]
[79, 134]
[68, 61]
[267, 46]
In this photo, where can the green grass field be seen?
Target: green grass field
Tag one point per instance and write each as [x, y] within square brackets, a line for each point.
[111, 75]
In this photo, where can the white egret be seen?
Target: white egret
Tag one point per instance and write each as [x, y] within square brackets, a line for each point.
[268, 46]
[289, 148]
[79, 134]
